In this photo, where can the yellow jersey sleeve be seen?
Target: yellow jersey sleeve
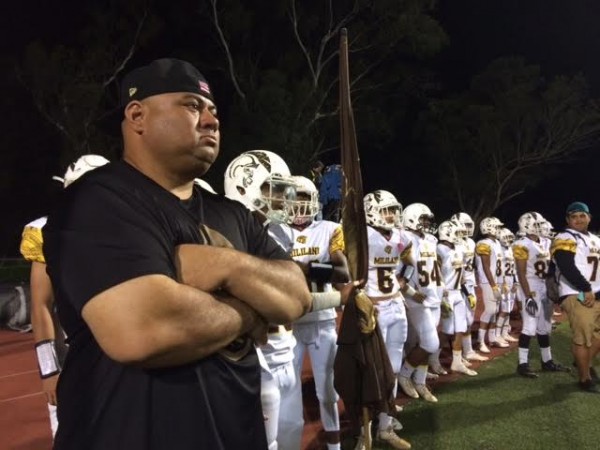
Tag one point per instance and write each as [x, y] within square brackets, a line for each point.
[569, 245]
[483, 249]
[521, 252]
[337, 241]
[405, 256]
[31, 244]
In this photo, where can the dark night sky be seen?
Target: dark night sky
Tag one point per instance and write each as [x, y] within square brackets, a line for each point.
[562, 36]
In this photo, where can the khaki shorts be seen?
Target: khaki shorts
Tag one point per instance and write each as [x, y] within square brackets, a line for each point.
[584, 321]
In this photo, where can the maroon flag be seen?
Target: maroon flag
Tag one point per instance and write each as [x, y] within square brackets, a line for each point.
[362, 371]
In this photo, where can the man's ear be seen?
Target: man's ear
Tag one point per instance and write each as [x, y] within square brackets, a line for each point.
[134, 115]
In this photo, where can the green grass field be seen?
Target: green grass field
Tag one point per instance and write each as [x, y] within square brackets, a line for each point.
[499, 410]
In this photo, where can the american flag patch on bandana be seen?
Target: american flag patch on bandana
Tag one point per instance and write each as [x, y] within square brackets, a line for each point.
[204, 87]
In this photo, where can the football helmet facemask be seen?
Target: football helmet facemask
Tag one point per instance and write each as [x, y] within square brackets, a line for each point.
[451, 231]
[261, 181]
[306, 206]
[80, 166]
[531, 223]
[466, 221]
[491, 226]
[506, 237]
[418, 217]
[546, 230]
[382, 210]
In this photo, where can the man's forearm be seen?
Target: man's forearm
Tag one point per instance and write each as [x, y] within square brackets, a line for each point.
[154, 321]
[241, 319]
[277, 290]
[522, 277]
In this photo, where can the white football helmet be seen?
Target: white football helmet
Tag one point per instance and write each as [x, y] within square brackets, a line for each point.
[531, 223]
[451, 231]
[382, 210]
[304, 210]
[204, 185]
[546, 230]
[261, 181]
[80, 166]
[506, 237]
[466, 221]
[418, 217]
[491, 226]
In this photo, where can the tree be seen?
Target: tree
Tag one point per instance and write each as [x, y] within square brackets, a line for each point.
[280, 59]
[497, 139]
[69, 82]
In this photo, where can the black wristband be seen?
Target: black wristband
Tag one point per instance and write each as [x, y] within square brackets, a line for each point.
[320, 272]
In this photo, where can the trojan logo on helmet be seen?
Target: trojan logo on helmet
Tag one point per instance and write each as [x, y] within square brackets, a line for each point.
[261, 181]
[382, 210]
[81, 166]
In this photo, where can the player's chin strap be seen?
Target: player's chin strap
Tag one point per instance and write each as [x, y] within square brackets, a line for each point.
[57, 178]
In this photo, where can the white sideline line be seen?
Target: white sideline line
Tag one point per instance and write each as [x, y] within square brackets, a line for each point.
[6, 400]
[17, 374]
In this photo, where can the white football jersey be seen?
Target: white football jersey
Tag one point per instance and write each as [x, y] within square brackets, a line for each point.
[508, 266]
[491, 247]
[537, 256]
[316, 243]
[426, 278]
[469, 262]
[384, 257]
[279, 348]
[452, 264]
[586, 248]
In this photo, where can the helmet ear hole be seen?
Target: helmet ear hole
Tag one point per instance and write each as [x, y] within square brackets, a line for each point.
[241, 190]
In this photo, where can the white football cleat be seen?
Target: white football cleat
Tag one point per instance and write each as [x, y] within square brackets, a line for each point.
[432, 376]
[509, 338]
[392, 439]
[499, 342]
[484, 348]
[474, 356]
[408, 387]
[438, 369]
[461, 368]
[425, 393]
[465, 362]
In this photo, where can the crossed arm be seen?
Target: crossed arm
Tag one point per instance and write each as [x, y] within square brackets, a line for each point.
[221, 294]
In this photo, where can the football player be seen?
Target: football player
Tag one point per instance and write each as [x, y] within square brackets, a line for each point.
[488, 253]
[532, 256]
[386, 242]
[451, 259]
[261, 180]
[509, 285]
[48, 335]
[421, 271]
[318, 247]
[470, 282]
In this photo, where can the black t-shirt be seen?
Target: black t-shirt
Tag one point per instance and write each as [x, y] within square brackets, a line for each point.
[113, 225]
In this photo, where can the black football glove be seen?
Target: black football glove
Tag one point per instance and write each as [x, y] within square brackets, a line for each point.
[531, 306]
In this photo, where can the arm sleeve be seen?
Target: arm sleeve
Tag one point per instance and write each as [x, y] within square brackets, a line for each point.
[99, 238]
[565, 260]
[337, 240]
